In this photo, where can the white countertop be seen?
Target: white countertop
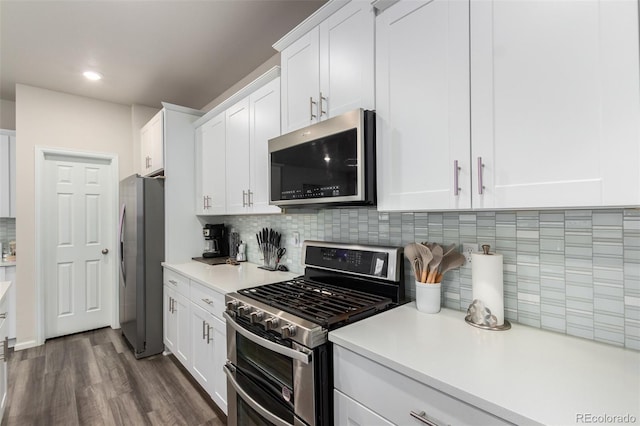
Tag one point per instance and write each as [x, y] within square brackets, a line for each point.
[522, 375]
[227, 278]
[4, 289]
[3, 264]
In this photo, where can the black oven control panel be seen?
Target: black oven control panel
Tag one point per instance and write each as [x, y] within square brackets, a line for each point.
[370, 261]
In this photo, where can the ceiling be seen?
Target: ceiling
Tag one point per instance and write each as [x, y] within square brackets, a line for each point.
[180, 51]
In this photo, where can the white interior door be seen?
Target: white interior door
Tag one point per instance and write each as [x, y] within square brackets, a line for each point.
[78, 277]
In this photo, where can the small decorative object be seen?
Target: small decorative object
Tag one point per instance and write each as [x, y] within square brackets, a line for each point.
[429, 262]
[487, 309]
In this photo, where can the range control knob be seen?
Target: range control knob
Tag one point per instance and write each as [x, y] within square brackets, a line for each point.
[231, 305]
[256, 316]
[288, 330]
[244, 309]
[271, 323]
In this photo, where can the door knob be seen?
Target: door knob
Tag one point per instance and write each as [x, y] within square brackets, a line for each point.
[105, 251]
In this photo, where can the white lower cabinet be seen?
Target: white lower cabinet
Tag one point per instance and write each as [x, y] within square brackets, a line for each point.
[350, 412]
[4, 333]
[404, 400]
[195, 332]
[202, 344]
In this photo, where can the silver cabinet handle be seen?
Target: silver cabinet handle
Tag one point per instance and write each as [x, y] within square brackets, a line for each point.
[456, 172]
[150, 162]
[174, 282]
[311, 104]
[209, 339]
[303, 357]
[204, 335]
[207, 301]
[250, 197]
[3, 315]
[173, 309]
[422, 416]
[204, 202]
[266, 414]
[480, 170]
[171, 304]
[244, 194]
[322, 98]
[208, 202]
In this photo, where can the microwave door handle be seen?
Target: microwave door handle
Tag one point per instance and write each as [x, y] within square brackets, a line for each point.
[267, 344]
[252, 403]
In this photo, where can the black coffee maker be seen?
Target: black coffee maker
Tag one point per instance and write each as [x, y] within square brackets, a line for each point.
[216, 241]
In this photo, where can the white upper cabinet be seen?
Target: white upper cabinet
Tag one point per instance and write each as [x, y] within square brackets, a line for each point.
[7, 173]
[330, 69]
[152, 145]
[422, 111]
[264, 113]
[533, 114]
[211, 166]
[301, 82]
[555, 103]
[232, 150]
[238, 157]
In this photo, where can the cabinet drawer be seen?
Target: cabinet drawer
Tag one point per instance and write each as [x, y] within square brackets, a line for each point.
[362, 379]
[207, 298]
[176, 281]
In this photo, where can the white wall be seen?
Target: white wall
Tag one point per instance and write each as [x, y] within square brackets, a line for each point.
[264, 67]
[7, 115]
[53, 119]
[140, 115]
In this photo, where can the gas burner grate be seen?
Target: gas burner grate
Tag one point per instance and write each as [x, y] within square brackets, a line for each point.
[324, 304]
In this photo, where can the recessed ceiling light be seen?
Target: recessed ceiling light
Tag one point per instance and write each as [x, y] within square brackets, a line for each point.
[92, 75]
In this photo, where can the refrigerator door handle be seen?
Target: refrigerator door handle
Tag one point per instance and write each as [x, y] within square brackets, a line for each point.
[122, 265]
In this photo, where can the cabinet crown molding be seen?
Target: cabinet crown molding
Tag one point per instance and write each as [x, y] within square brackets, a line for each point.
[265, 78]
[178, 108]
[311, 22]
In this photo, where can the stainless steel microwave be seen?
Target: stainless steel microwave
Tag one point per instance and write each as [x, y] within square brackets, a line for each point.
[328, 163]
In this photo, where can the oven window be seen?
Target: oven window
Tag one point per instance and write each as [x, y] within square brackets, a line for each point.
[273, 370]
[276, 406]
[247, 416]
[326, 167]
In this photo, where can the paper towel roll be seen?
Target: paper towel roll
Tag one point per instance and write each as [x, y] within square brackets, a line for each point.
[487, 283]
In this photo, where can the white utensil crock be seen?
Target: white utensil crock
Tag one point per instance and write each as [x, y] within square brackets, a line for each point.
[428, 297]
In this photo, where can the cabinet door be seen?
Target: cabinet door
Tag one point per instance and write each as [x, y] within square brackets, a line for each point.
[202, 359]
[152, 145]
[170, 320]
[423, 106]
[300, 82]
[12, 181]
[211, 167]
[183, 334]
[555, 111]
[10, 275]
[347, 60]
[349, 412]
[5, 181]
[265, 124]
[237, 153]
[4, 330]
[220, 358]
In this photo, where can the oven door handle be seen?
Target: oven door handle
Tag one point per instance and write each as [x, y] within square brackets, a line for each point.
[305, 358]
[268, 415]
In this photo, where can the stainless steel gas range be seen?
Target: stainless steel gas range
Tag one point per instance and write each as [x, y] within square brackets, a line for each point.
[279, 366]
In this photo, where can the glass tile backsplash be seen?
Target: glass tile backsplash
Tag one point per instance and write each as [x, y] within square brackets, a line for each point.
[7, 231]
[575, 272]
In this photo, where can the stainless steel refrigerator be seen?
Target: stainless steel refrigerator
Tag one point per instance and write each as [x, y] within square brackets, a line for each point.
[141, 254]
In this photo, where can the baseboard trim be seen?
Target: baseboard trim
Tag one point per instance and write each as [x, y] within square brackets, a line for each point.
[25, 345]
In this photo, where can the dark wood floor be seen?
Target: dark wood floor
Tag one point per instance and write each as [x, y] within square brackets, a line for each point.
[93, 378]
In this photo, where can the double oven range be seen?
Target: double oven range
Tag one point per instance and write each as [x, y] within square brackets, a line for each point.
[279, 366]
